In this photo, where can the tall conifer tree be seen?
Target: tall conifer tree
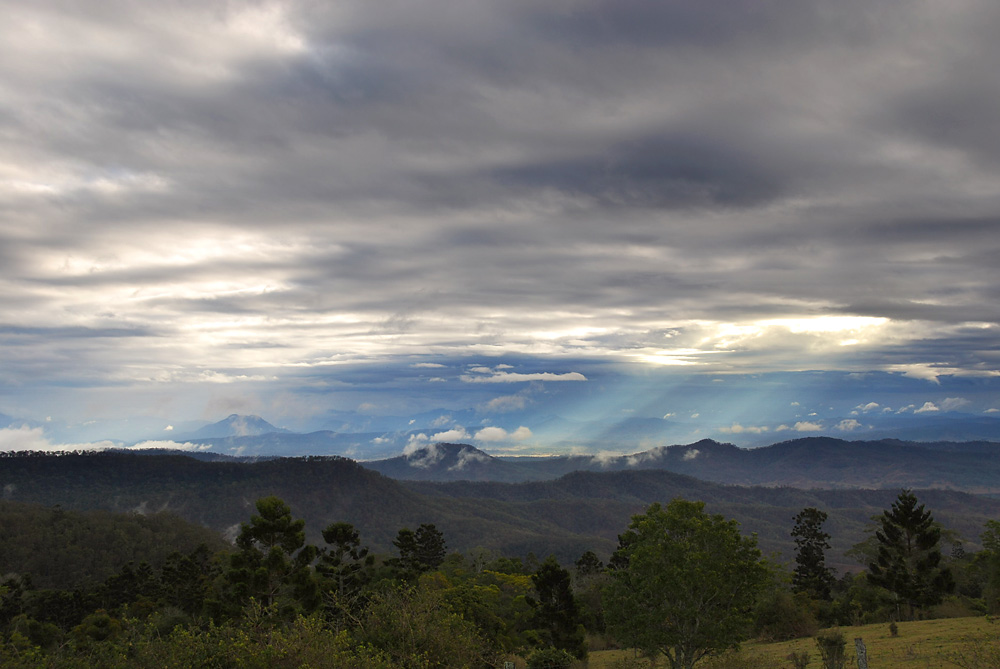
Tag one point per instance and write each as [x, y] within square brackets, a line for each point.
[909, 556]
[811, 573]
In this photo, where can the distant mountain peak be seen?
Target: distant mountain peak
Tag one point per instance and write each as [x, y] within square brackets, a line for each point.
[237, 425]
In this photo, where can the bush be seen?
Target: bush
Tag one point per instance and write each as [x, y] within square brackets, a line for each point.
[550, 658]
[799, 660]
[781, 616]
[832, 649]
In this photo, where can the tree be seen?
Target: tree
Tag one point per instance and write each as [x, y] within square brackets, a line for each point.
[273, 561]
[908, 563]
[689, 586]
[419, 551]
[557, 617]
[989, 561]
[588, 565]
[811, 574]
[345, 568]
[431, 547]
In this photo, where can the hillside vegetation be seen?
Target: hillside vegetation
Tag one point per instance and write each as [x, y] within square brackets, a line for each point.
[578, 512]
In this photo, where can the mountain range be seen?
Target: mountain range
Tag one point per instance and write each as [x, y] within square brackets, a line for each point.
[566, 516]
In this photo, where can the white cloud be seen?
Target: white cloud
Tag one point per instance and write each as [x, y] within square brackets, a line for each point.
[782, 428]
[796, 404]
[690, 454]
[871, 406]
[736, 428]
[25, 438]
[992, 410]
[481, 370]
[605, 458]
[171, 445]
[415, 443]
[509, 377]
[441, 421]
[952, 403]
[427, 365]
[168, 428]
[920, 371]
[505, 403]
[423, 456]
[927, 408]
[695, 415]
[468, 456]
[455, 434]
[493, 433]
[848, 424]
[807, 426]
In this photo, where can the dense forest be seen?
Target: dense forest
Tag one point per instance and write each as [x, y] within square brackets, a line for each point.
[116, 590]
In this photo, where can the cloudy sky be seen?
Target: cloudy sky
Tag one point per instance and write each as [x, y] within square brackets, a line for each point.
[292, 208]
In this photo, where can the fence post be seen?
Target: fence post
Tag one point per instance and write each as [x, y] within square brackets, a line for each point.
[862, 652]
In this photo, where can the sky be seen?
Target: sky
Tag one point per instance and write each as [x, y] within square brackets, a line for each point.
[300, 209]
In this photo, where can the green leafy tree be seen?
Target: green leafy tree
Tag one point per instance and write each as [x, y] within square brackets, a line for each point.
[272, 565]
[557, 616]
[689, 587]
[908, 563]
[811, 574]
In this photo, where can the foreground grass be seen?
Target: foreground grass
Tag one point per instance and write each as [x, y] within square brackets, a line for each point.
[923, 644]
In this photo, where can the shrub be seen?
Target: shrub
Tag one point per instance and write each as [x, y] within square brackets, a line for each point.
[550, 658]
[832, 647]
[799, 660]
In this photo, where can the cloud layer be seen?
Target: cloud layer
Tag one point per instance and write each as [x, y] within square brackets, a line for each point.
[249, 199]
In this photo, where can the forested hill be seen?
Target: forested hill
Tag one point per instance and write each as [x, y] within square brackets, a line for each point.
[65, 549]
[813, 462]
[593, 497]
[568, 516]
[220, 495]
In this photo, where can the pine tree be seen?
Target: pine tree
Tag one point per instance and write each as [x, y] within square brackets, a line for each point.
[272, 564]
[909, 555]
[811, 574]
[345, 568]
[557, 616]
[419, 551]
[431, 547]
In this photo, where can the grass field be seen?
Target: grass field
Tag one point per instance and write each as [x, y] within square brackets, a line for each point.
[924, 644]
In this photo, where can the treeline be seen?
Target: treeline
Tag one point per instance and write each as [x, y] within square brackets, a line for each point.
[683, 584]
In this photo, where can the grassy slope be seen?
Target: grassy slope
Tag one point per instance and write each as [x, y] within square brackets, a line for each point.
[927, 644]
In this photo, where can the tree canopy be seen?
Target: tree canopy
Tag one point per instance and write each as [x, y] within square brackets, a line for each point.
[689, 586]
